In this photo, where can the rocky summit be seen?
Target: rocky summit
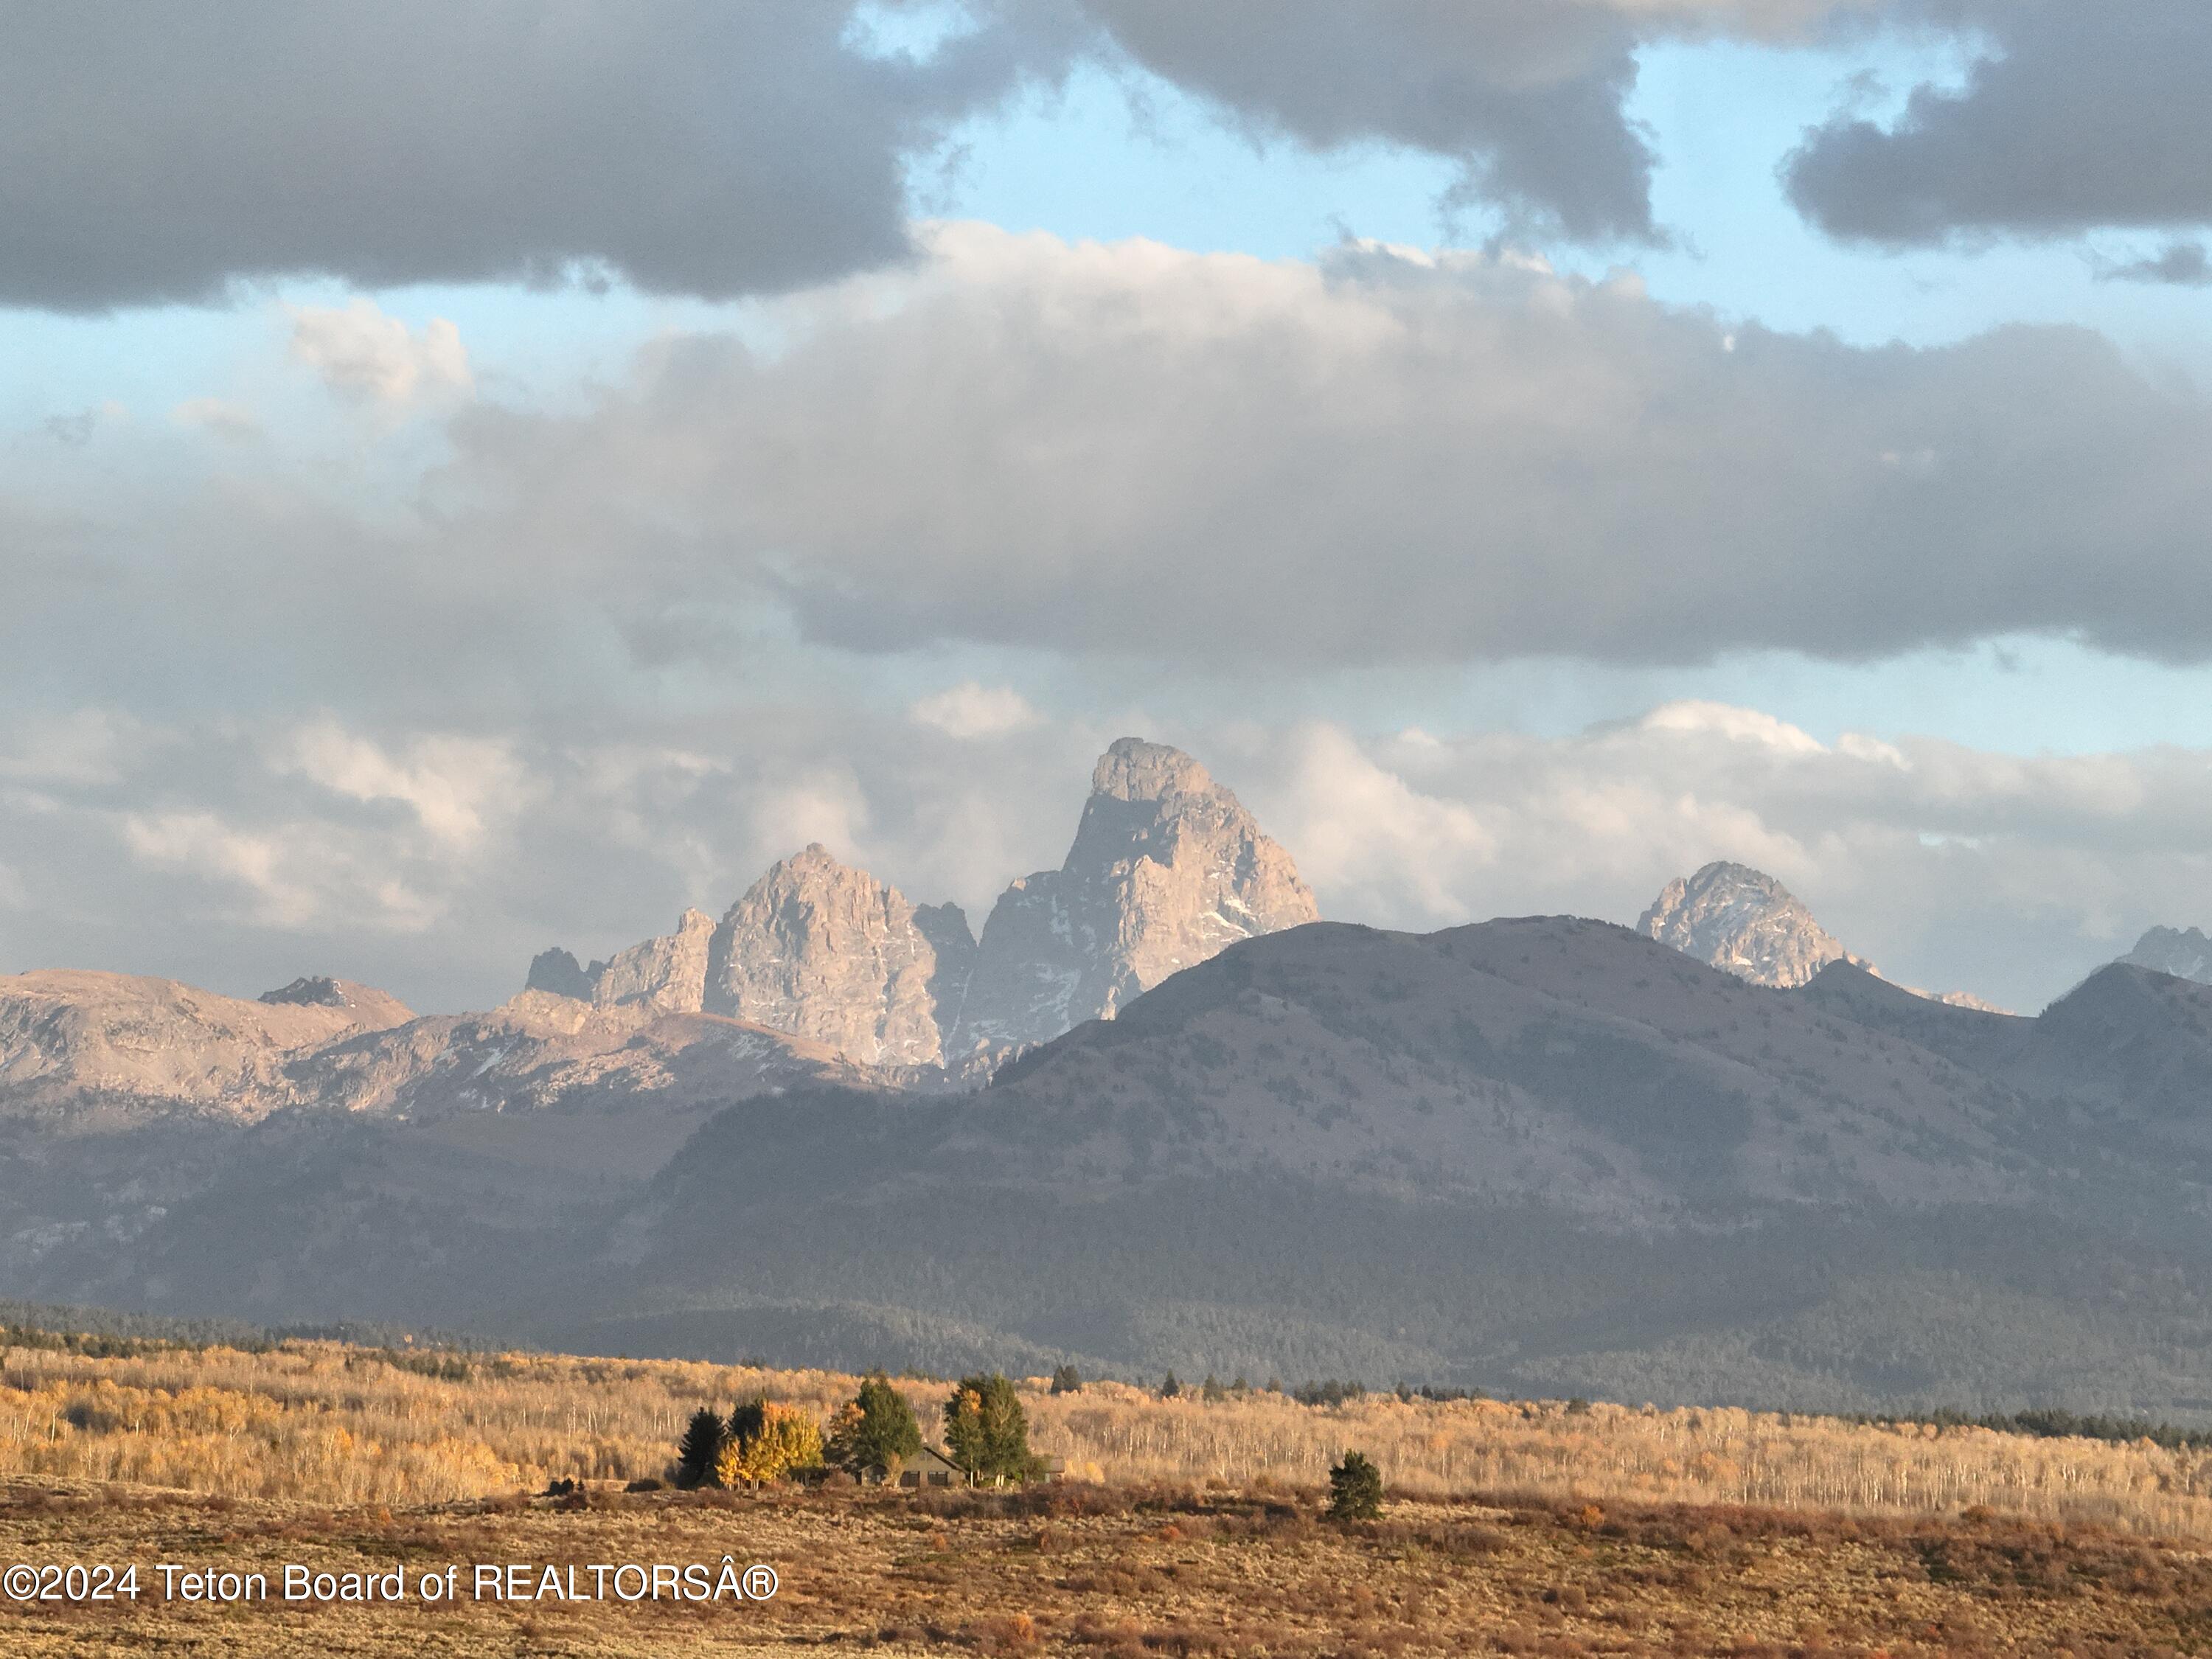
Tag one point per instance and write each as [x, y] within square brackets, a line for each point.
[814, 948]
[1167, 870]
[1742, 921]
[2184, 953]
[826, 951]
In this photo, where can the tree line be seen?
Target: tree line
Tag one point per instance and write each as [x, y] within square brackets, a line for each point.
[872, 1436]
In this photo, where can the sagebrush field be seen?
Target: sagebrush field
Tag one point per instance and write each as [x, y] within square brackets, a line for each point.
[327, 1423]
[1183, 1526]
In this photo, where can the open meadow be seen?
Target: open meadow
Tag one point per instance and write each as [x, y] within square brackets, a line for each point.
[1191, 1525]
[324, 1422]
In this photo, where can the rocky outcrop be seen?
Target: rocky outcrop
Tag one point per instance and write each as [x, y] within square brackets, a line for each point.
[1743, 922]
[668, 973]
[87, 1042]
[1167, 870]
[307, 991]
[540, 1051]
[93, 1052]
[370, 1009]
[558, 971]
[945, 926]
[828, 952]
[2184, 953]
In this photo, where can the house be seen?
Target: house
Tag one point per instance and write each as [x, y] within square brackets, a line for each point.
[932, 1468]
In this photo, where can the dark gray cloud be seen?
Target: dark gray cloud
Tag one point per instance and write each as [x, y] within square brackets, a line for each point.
[160, 154]
[2180, 264]
[1526, 94]
[153, 154]
[2080, 116]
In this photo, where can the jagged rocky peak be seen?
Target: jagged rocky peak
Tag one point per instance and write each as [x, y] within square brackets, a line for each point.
[1742, 921]
[824, 951]
[309, 991]
[558, 971]
[1167, 869]
[2185, 953]
[369, 1006]
[669, 972]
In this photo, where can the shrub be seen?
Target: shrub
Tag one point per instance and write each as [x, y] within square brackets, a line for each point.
[1355, 1489]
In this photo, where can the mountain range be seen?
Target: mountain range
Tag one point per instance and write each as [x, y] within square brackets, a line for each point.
[1160, 1115]
[1167, 867]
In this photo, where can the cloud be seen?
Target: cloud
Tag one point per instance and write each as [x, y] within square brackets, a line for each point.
[81, 746]
[76, 430]
[454, 786]
[201, 845]
[2077, 116]
[971, 710]
[683, 145]
[1740, 725]
[226, 421]
[2008, 876]
[690, 147]
[2183, 264]
[208, 853]
[361, 353]
[1527, 99]
[239, 854]
[1529, 96]
[1378, 459]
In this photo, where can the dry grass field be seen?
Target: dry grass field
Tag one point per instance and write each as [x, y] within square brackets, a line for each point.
[1186, 1527]
[322, 1422]
[1121, 1573]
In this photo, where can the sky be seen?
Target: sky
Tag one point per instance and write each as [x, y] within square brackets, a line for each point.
[473, 479]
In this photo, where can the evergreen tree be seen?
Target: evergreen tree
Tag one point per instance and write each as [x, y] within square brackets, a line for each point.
[701, 1445]
[986, 1433]
[1169, 1387]
[1068, 1380]
[875, 1430]
[1355, 1487]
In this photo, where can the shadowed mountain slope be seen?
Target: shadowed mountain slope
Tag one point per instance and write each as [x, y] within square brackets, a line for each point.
[1540, 1154]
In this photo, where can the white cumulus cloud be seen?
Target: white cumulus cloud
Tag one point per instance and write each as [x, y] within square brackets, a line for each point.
[972, 710]
[362, 353]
